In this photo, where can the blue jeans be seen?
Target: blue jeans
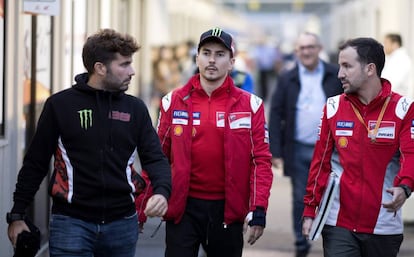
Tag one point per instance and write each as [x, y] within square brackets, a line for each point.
[71, 237]
[302, 159]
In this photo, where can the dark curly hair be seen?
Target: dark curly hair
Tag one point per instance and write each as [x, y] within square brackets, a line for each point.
[103, 45]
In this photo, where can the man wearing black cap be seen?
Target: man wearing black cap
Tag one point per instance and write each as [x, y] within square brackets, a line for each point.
[216, 139]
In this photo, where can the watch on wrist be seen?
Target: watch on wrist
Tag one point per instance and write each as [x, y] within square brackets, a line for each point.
[407, 190]
[10, 217]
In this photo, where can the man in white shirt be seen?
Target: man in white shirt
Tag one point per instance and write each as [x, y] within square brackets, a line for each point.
[398, 67]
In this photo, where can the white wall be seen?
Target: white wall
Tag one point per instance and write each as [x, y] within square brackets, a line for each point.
[11, 145]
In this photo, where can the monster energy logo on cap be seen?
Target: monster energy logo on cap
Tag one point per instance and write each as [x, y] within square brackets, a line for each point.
[85, 117]
[217, 34]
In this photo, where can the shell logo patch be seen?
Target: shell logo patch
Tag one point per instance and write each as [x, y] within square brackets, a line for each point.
[343, 142]
[178, 130]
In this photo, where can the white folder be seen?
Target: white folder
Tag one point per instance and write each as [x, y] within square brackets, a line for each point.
[324, 207]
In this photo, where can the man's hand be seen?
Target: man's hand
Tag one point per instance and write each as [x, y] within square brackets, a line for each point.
[306, 226]
[398, 199]
[255, 232]
[277, 163]
[15, 228]
[157, 206]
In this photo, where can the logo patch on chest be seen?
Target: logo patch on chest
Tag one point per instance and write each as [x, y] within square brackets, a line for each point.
[220, 119]
[196, 118]
[386, 129]
[85, 118]
[180, 117]
[178, 130]
[240, 120]
[344, 128]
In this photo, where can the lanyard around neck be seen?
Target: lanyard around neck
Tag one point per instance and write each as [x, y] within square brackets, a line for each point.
[372, 133]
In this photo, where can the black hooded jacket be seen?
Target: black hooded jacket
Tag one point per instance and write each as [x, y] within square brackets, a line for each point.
[93, 135]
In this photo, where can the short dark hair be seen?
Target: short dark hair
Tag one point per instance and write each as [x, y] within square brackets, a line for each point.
[395, 38]
[369, 50]
[104, 44]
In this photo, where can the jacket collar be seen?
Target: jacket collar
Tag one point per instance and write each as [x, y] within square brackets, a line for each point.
[82, 85]
[379, 99]
[194, 84]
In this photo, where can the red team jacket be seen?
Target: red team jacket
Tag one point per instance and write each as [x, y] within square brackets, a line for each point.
[248, 174]
[365, 168]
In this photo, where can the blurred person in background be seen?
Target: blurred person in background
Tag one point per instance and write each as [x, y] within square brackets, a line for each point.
[398, 68]
[296, 108]
[366, 126]
[167, 74]
[241, 77]
[243, 80]
[215, 137]
[185, 55]
[266, 56]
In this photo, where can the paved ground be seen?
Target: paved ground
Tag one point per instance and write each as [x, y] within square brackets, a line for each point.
[277, 240]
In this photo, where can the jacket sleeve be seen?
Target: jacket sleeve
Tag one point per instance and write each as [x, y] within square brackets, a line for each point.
[164, 124]
[320, 168]
[406, 174]
[261, 175]
[37, 159]
[142, 199]
[276, 121]
[152, 158]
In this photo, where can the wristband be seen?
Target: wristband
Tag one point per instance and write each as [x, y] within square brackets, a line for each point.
[259, 218]
[11, 217]
[407, 190]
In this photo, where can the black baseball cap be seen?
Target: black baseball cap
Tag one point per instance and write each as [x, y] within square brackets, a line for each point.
[219, 35]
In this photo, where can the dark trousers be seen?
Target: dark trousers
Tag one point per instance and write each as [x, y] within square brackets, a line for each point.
[202, 223]
[264, 79]
[340, 242]
[301, 163]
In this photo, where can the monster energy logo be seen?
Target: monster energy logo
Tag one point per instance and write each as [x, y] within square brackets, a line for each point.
[216, 32]
[85, 117]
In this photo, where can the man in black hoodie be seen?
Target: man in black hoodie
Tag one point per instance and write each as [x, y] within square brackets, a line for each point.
[95, 131]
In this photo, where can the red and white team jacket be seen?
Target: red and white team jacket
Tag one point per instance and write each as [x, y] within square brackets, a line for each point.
[247, 160]
[365, 168]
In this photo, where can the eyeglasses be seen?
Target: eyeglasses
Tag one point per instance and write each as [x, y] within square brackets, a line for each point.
[308, 47]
